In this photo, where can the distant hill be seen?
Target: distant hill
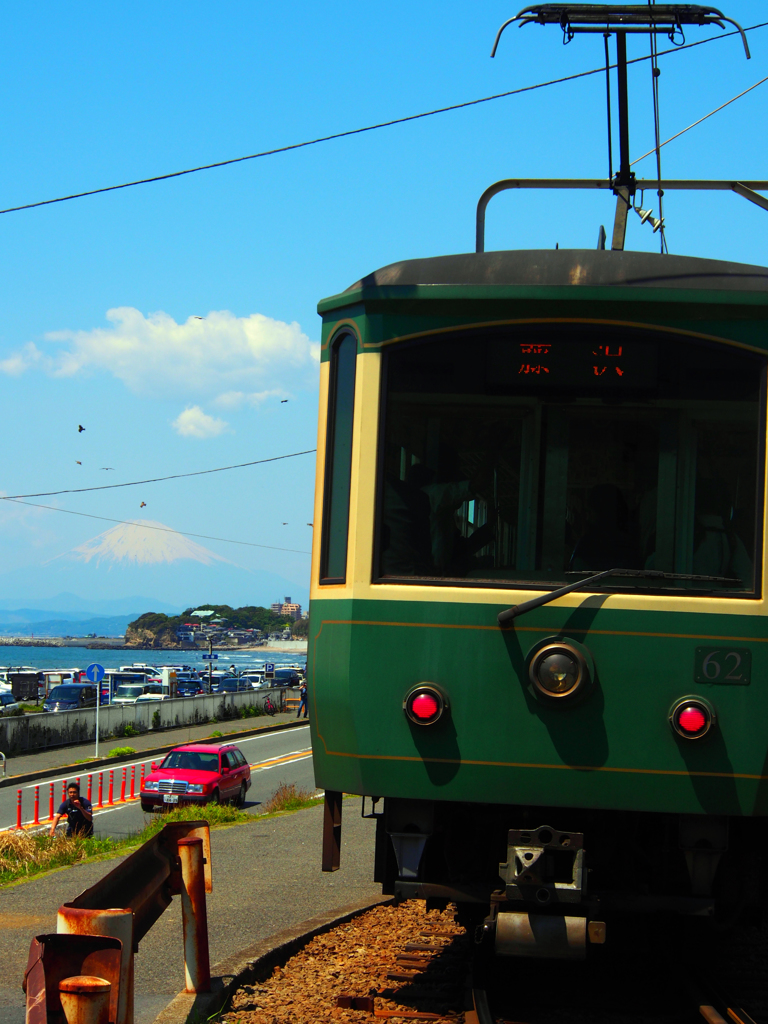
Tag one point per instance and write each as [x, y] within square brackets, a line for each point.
[101, 625]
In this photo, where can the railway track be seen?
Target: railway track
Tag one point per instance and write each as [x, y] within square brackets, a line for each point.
[402, 962]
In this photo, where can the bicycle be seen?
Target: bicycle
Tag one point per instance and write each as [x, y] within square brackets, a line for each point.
[268, 707]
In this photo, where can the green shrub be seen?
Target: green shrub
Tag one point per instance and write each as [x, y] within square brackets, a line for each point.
[216, 732]
[156, 720]
[121, 751]
[126, 729]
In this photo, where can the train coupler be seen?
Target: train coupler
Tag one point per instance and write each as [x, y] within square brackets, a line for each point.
[544, 866]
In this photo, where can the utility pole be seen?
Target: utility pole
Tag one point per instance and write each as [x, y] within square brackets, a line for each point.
[210, 665]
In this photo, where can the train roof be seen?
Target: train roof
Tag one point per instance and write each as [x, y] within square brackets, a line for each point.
[566, 267]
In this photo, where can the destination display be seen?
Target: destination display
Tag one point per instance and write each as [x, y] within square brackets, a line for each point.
[581, 364]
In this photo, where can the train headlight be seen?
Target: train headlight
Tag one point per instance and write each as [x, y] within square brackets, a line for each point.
[559, 670]
[692, 717]
[425, 704]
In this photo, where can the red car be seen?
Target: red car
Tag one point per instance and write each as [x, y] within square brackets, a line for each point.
[197, 773]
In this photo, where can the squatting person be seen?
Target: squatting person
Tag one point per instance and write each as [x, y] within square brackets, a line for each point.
[78, 812]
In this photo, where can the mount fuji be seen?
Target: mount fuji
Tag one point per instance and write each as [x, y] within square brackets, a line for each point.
[145, 557]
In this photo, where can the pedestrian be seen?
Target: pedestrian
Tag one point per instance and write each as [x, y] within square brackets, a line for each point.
[78, 812]
[303, 702]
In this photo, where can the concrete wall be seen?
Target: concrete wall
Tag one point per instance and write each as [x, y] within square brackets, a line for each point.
[63, 728]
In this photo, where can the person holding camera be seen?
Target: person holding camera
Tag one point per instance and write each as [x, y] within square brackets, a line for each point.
[78, 812]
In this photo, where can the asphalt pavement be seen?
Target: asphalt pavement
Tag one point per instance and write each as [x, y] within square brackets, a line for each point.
[120, 818]
[266, 877]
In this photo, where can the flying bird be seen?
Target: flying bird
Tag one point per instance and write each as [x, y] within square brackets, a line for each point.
[283, 401]
[78, 462]
[198, 318]
[310, 524]
[106, 467]
[285, 524]
[143, 504]
[80, 428]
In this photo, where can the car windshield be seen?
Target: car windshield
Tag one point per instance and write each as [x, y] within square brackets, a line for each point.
[536, 453]
[64, 693]
[129, 691]
[7, 698]
[192, 760]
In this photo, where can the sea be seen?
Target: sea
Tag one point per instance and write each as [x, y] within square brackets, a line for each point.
[82, 657]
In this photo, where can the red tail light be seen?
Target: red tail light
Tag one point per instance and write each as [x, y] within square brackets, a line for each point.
[692, 717]
[425, 704]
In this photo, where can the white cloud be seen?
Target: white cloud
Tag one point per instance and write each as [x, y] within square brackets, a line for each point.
[22, 360]
[235, 399]
[193, 422]
[154, 355]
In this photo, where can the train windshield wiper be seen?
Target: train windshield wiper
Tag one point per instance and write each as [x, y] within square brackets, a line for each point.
[646, 574]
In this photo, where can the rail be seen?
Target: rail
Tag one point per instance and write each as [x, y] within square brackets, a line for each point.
[747, 189]
[84, 972]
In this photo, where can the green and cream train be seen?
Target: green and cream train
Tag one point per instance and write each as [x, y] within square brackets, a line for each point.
[545, 748]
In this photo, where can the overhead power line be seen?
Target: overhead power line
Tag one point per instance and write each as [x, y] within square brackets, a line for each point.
[154, 480]
[715, 111]
[162, 529]
[367, 128]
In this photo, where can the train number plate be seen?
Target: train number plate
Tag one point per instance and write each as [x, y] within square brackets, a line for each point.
[727, 666]
[170, 798]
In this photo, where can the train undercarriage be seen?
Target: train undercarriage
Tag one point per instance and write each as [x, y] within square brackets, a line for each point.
[532, 888]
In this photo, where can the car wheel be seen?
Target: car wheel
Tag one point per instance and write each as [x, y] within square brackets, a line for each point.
[240, 801]
[147, 808]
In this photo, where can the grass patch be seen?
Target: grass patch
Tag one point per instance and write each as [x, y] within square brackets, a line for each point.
[215, 733]
[287, 797]
[121, 751]
[23, 855]
[217, 816]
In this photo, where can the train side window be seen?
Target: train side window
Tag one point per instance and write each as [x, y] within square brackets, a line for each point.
[338, 460]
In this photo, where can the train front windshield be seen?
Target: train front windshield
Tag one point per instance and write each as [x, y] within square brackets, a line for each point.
[520, 455]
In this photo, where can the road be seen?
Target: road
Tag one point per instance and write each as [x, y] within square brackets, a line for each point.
[266, 877]
[275, 757]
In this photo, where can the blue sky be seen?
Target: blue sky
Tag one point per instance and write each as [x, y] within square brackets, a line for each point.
[98, 94]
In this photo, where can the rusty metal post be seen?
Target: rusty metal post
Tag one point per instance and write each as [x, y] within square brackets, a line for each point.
[117, 924]
[50, 804]
[101, 790]
[90, 788]
[111, 788]
[122, 786]
[133, 781]
[197, 966]
[18, 808]
[85, 999]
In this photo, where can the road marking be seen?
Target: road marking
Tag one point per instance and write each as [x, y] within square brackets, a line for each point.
[79, 772]
[298, 755]
[259, 766]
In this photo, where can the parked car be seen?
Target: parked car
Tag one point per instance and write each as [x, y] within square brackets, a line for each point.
[8, 703]
[189, 688]
[70, 697]
[147, 698]
[286, 677]
[197, 773]
[233, 684]
[129, 693]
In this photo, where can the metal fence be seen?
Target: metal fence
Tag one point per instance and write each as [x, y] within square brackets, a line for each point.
[84, 973]
[27, 733]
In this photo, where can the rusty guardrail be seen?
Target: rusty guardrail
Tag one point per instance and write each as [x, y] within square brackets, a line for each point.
[84, 973]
